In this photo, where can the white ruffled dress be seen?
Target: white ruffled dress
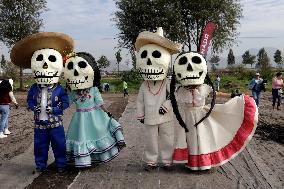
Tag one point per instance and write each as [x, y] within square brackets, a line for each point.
[221, 136]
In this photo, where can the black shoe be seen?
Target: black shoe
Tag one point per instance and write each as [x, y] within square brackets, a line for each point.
[121, 145]
[61, 169]
[40, 170]
[150, 167]
[168, 167]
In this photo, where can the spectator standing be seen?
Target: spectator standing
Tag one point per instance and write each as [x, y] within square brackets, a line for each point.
[277, 84]
[217, 83]
[6, 96]
[255, 85]
[125, 87]
[106, 87]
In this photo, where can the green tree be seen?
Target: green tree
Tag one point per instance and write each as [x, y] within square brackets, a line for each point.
[278, 58]
[103, 62]
[182, 20]
[118, 59]
[248, 58]
[195, 14]
[3, 61]
[19, 19]
[231, 58]
[214, 60]
[263, 61]
[134, 16]
[11, 70]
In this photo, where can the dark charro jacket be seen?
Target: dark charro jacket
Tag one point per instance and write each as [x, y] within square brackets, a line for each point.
[57, 98]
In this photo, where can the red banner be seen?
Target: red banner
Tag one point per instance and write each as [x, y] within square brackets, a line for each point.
[206, 38]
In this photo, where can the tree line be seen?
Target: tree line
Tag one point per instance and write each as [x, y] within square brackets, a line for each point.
[261, 60]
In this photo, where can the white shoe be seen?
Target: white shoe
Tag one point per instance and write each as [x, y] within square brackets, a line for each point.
[7, 132]
[2, 135]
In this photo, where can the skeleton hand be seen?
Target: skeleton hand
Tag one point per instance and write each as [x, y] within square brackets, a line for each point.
[141, 120]
[109, 114]
[37, 109]
[162, 111]
[48, 109]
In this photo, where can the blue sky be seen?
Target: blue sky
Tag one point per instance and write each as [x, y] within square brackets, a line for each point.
[89, 23]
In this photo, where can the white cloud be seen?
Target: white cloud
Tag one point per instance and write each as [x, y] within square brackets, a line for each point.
[89, 23]
[261, 25]
[262, 18]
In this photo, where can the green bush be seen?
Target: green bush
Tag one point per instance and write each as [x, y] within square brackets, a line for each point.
[132, 76]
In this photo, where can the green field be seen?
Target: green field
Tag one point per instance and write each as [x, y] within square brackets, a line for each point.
[230, 81]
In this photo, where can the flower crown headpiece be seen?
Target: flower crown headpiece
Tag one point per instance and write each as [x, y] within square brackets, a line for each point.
[70, 55]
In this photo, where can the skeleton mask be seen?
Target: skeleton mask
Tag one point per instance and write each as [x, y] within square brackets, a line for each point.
[79, 73]
[190, 69]
[153, 62]
[47, 65]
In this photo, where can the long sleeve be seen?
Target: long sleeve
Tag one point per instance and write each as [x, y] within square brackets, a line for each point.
[140, 104]
[12, 97]
[98, 97]
[71, 97]
[63, 102]
[251, 84]
[167, 105]
[30, 99]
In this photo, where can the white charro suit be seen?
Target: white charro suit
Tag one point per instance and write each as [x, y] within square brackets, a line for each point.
[159, 128]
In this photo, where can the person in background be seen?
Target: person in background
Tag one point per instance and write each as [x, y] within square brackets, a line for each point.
[106, 88]
[125, 88]
[217, 83]
[6, 96]
[277, 84]
[255, 85]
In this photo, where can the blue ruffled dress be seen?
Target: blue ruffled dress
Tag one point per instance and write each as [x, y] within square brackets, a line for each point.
[92, 137]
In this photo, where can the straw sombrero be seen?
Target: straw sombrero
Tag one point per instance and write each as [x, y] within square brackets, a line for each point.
[23, 50]
[158, 38]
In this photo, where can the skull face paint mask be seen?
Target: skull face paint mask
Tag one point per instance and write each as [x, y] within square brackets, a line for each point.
[47, 66]
[153, 62]
[79, 74]
[190, 69]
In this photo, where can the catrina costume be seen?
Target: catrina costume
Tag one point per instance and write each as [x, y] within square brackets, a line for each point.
[43, 53]
[153, 104]
[93, 136]
[216, 134]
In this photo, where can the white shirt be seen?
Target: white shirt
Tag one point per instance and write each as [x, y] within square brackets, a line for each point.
[43, 103]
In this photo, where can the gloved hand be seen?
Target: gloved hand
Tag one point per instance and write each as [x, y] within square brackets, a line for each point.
[48, 109]
[162, 111]
[37, 109]
[109, 114]
[16, 106]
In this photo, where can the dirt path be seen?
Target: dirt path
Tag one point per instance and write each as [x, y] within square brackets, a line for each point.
[259, 166]
[249, 170]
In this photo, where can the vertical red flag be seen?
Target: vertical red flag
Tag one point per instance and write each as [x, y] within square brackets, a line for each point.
[206, 38]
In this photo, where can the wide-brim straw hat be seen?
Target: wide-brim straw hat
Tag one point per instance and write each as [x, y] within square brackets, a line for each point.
[158, 38]
[24, 49]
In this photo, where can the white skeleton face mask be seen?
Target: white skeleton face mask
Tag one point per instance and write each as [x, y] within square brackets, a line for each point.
[190, 69]
[47, 66]
[153, 62]
[79, 73]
